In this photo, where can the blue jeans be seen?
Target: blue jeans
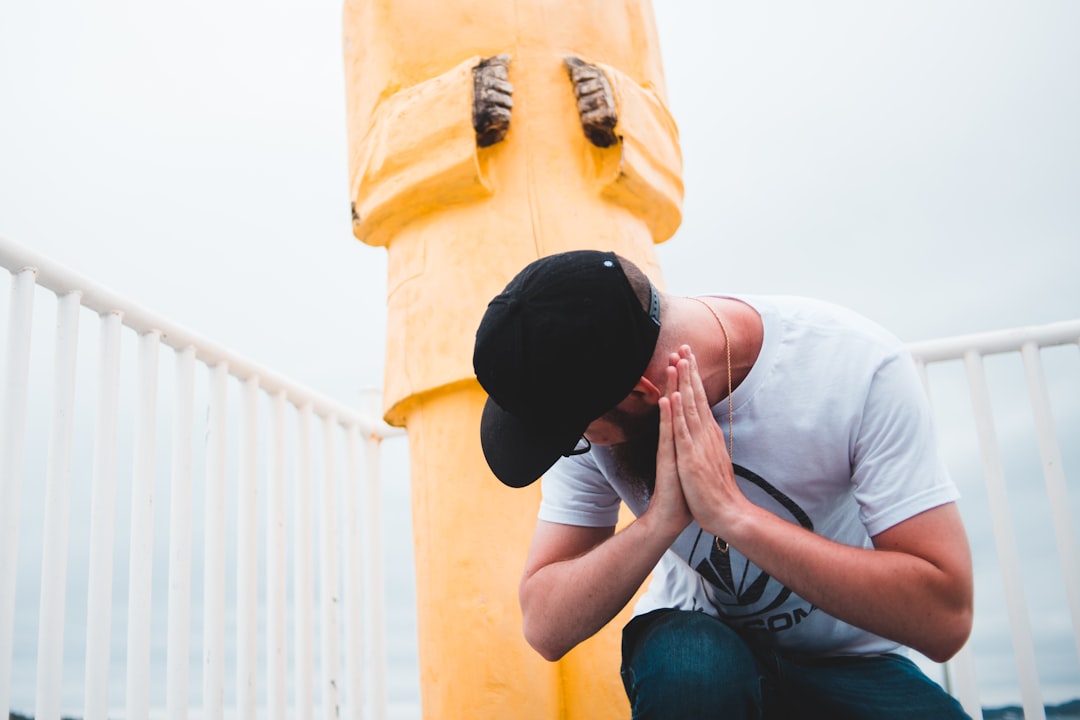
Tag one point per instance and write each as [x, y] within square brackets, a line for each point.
[679, 664]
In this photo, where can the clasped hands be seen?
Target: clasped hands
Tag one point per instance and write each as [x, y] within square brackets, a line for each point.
[694, 474]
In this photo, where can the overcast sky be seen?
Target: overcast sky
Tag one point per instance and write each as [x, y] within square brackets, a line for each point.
[918, 161]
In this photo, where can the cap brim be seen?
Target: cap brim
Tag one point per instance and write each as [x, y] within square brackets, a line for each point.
[517, 454]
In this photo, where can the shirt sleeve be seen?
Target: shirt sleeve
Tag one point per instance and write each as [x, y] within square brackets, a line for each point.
[575, 492]
[898, 471]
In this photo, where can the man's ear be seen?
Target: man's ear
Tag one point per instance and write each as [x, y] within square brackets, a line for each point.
[647, 391]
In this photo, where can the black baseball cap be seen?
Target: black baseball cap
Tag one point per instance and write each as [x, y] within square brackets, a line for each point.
[563, 343]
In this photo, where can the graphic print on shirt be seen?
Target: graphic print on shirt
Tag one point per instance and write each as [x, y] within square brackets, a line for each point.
[737, 589]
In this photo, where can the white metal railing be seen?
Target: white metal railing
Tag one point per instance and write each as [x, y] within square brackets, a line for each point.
[280, 436]
[1028, 343]
[324, 435]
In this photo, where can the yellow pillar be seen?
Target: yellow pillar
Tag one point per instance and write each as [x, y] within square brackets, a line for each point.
[458, 221]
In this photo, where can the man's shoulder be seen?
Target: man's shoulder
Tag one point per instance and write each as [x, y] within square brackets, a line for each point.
[576, 492]
[820, 319]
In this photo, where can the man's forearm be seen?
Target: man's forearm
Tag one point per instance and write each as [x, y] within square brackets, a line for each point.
[566, 602]
[920, 599]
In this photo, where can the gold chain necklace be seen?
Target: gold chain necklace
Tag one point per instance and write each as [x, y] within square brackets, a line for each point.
[730, 403]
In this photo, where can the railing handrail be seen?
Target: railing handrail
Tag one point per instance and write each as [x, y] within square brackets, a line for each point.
[955, 347]
[62, 280]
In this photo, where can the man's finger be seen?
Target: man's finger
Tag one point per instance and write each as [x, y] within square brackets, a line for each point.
[686, 389]
[665, 449]
[680, 429]
[699, 387]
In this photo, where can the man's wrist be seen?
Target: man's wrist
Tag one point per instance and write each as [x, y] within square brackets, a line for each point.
[733, 519]
[660, 527]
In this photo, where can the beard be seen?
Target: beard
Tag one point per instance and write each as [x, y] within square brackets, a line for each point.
[635, 458]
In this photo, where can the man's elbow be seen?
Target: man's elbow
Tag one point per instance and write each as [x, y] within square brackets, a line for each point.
[950, 637]
[542, 642]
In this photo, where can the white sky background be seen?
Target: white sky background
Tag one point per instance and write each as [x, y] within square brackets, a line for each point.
[918, 161]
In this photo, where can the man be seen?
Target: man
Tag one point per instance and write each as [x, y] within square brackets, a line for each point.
[789, 497]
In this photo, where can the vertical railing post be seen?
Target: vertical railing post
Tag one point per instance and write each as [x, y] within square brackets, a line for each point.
[375, 580]
[214, 548]
[961, 681]
[247, 554]
[140, 582]
[276, 658]
[303, 586]
[12, 434]
[177, 687]
[328, 572]
[353, 564]
[1005, 538]
[102, 522]
[50, 657]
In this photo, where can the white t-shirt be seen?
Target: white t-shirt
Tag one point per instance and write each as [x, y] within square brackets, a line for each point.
[832, 432]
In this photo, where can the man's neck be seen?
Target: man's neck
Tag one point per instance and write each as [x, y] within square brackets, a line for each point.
[707, 339]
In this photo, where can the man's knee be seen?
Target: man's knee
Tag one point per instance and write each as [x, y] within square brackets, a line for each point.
[675, 658]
